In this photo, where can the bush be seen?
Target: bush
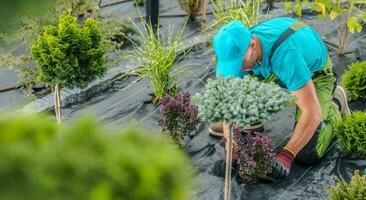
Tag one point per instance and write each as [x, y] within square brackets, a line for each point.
[191, 7]
[354, 81]
[87, 161]
[156, 56]
[351, 134]
[255, 155]
[242, 102]
[69, 54]
[244, 11]
[178, 116]
[354, 190]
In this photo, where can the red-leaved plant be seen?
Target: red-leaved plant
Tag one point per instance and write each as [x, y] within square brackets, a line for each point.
[255, 155]
[178, 116]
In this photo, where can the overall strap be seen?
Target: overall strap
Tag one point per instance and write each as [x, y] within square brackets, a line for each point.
[283, 37]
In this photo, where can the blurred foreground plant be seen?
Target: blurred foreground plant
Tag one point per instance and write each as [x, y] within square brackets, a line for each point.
[84, 160]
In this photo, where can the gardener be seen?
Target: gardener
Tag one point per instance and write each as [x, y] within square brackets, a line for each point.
[293, 54]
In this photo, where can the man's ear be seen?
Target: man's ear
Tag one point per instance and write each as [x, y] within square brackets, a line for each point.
[253, 43]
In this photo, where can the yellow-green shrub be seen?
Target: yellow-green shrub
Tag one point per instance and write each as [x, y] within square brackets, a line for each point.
[354, 80]
[351, 134]
[354, 190]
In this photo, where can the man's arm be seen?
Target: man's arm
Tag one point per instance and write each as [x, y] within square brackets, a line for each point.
[311, 116]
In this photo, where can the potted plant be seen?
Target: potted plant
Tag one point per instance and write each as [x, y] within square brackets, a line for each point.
[156, 56]
[351, 134]
[240, 103]
[178, 116]
[191, 7]
[255, 155]
[89, 162]
[69, 55]
[353, 190]
[354, 80]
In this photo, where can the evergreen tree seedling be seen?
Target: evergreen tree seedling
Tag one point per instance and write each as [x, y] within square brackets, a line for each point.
[69, 55]
[354, 80]
[351, 134]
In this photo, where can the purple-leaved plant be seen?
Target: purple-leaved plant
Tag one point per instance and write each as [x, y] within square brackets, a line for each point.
[255, 155]
[178, 116]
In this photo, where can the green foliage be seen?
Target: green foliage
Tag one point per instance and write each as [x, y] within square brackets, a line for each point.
[354, 190]
[354, 80]
[295, 7]
[70, 54]
[191, 7]
[348, 14]
[84, 160]
[178, 116]
[12, 10]
[243, 102]
[245, 11]
[351, 134]
[156, 55]
[139, 2]
[114, 33]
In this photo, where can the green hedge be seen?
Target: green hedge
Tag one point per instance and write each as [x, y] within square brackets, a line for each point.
[351, 134]
[86, 161]
[354, 190]
[354, 80]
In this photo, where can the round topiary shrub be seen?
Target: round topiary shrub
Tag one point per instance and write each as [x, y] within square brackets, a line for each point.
[354, 190]
[241, 102]
[255, 155]
[87, 161]
[351, 134]
[354, 80]
[178, 116]
[69, 55]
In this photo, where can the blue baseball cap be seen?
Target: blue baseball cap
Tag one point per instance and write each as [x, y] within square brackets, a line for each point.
[230, 44]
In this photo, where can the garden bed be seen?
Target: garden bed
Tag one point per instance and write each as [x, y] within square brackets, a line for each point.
[125, 103]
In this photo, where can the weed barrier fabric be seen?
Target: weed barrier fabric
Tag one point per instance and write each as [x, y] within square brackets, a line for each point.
[126, 103]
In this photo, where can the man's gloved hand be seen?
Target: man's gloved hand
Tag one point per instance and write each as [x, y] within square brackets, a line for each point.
[282, 164]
